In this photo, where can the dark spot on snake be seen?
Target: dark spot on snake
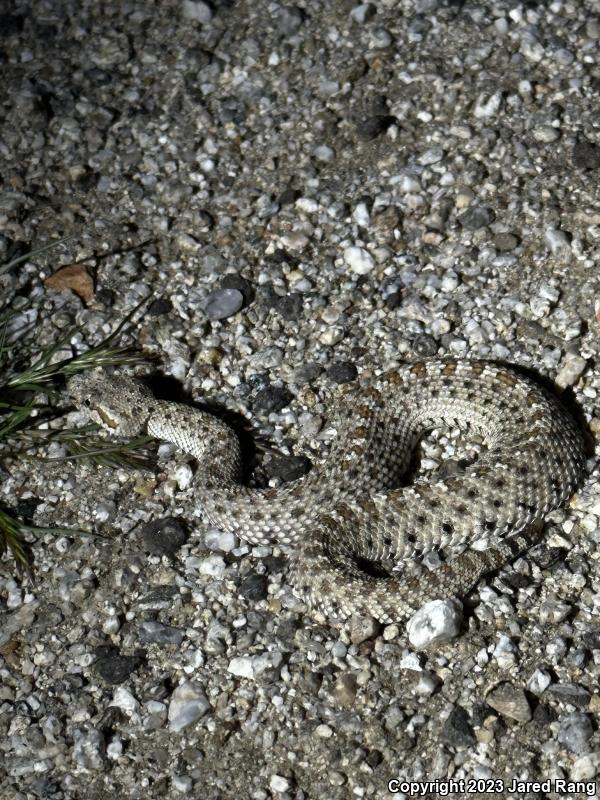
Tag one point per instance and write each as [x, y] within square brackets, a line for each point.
[489, 524]
[411, 538]
[447, 528]
[497, 503]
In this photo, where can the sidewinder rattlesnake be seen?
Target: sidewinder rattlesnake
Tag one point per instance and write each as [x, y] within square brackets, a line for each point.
[349, 519]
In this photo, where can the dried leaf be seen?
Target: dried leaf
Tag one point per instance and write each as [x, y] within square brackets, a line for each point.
[75, 277]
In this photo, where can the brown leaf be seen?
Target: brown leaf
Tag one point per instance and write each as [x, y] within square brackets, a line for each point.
[75, 277]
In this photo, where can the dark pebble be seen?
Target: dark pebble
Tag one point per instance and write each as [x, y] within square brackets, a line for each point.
[374, 758]
[164, 536]
[272, 398]
[457, 730]
[160, 306]
[287, 468]
[254, 587]
[372, 127]
[476, 217]
[544, 715]
[307, 373]
[571, 693]
[113, 667]
[425, 346]
[275, 563]
[234, 281]
[591, 639]
[393, 300]
[342, 372]
[289, 306]
[288, 196]
[152, 632]
[586, 155]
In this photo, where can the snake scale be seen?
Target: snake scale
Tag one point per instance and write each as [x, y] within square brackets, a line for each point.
[351, 519]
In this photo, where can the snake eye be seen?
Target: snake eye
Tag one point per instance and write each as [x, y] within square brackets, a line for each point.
[87, 401]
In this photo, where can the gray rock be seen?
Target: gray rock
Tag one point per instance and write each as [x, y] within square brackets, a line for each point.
[575, 732]
[188, 704]
[222, 303]
[152, 632]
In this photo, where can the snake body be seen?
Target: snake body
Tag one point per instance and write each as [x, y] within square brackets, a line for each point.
[350, 519]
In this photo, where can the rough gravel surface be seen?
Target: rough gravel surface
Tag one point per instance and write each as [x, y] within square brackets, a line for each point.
[303, 194]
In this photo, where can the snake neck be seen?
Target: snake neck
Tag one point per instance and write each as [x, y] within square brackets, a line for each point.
[213, 443]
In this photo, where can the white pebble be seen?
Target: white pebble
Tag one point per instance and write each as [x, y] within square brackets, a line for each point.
[242, 666]
[188, 704]
[213, 565]
[359, 260]
[279, 783]
[184, 476]
[437, 621]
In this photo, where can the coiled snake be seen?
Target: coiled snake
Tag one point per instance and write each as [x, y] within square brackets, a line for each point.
[350, 519]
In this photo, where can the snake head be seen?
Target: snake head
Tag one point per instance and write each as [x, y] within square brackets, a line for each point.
[119, 405]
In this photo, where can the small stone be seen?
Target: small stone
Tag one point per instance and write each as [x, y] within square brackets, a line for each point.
[505, 242]
[161, 306]
[510, 701]
[457, 730]
[363, 628]
[539, 681]
[363, 13]
[425, 346]
[182, 783]
[184, 476]
[307, 373]
[571, 693]
[164, 536]
[214, 566]
[89, 749]
[437, 621]
[289, 306]
[279, 784]
[113, 667]
[571, 369]
[586, 767]
[324, 153]
[222, 303]
[586, 155]
[359, 260]
[345, 689]
[242, 666]
[552, 612]
[255, 587]
[575, 732]
[342, 372]
[197, 10]
[272, 398]
[152, 632]
[476, 217]
[294, 240]
[188, 704]
[557, 241]
[323, 731]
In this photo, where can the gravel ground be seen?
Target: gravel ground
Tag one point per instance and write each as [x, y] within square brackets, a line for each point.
[304, 194]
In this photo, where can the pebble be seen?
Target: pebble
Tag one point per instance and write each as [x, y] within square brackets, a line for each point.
[152, 632]
[457, 730]
[510, 701]
[586, 154]
[114, 667]
[254, 587]
[279, 784]
[188, 704]
[272, 398]
[570, 370]
[437, 621]
[359, 260]
[164, 536]
[222, 303]
[586, 767]
[476, 217]
[342, 372]
[363, 628]
[571, 693]
[557, 241]
[575, 732]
